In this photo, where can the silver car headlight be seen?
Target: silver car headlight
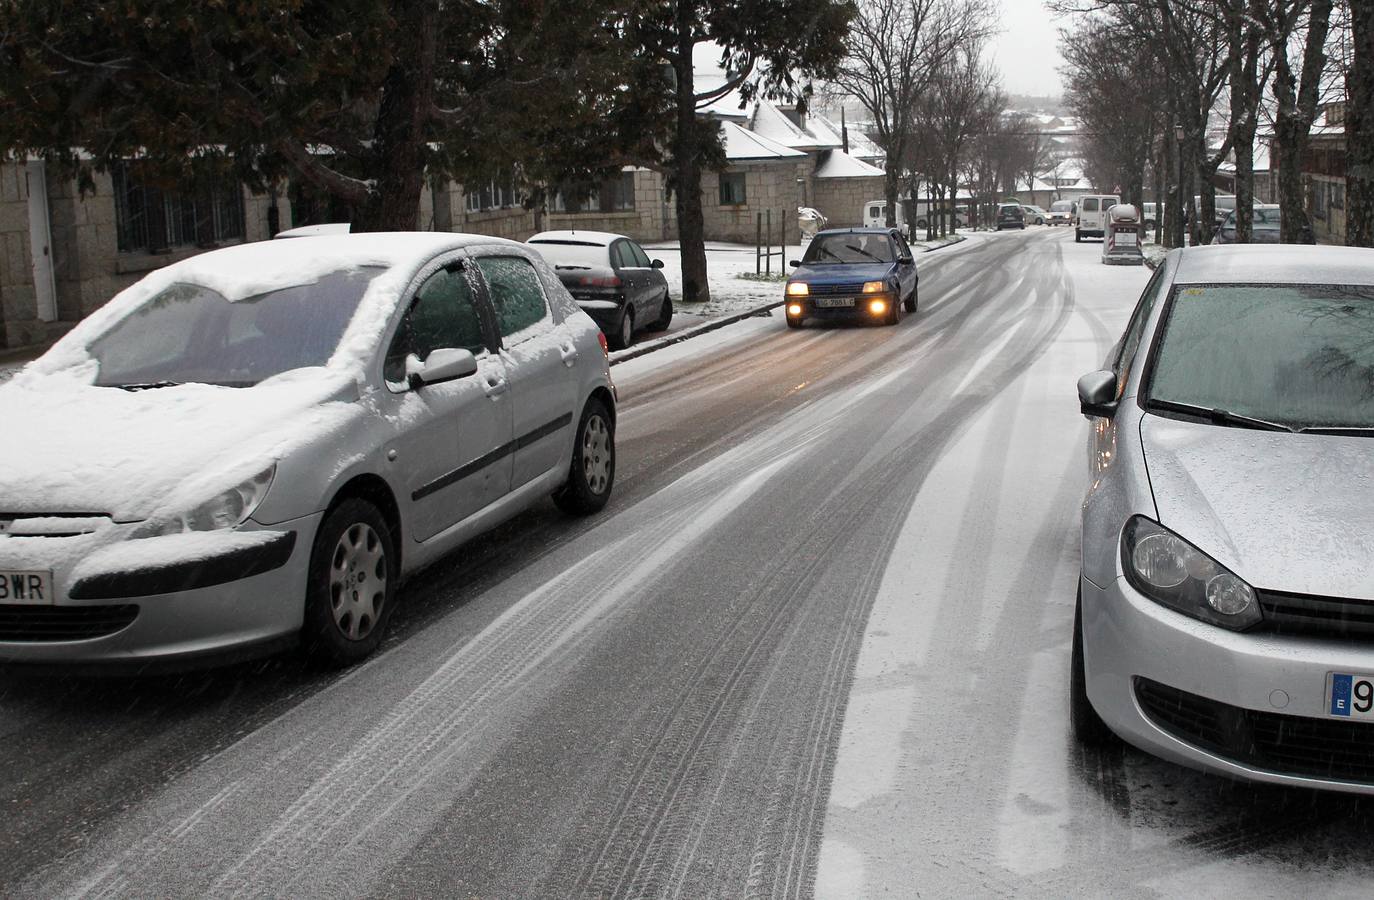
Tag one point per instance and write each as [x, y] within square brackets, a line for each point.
[1172, 572]
[225, 510]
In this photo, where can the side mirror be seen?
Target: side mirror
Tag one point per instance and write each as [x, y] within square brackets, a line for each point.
[905, 260]
[794, 262]
[1097, 394]
[657, 263]
[444, 364]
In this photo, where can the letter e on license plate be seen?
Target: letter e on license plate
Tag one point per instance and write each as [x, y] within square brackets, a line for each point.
[29, 587]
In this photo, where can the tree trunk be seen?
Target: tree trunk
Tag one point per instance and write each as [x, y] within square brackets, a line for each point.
[686, 146]
[1359, 131]
[1296, 110]
[891, 191]
[399, 138]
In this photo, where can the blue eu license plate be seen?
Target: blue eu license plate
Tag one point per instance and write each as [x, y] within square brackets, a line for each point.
[1350, 695]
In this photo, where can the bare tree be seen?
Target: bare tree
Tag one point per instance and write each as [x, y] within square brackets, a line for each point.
[1359, 129]
[896, 49]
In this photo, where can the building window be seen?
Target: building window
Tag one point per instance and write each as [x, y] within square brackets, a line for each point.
[496, 194]
[732, 189]
[615, 194]
[1337, 195]
[1318, 189]
[152, 219]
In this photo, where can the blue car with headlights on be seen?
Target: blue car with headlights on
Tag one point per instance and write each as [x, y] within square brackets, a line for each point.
[867, 274]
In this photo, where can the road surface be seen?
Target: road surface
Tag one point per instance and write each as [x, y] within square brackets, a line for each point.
[817, 645]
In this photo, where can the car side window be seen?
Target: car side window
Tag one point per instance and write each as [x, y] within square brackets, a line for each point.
[1090, 204]
[641, 258]
[515, 292]
[443, 314]
[624, 257]
[1130, 341]
[903, 248]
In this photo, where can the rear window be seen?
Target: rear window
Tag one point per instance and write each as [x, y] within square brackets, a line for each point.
[568, 253]
[1090, 204]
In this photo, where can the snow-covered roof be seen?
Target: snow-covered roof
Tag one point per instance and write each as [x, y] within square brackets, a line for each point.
[742, 145]
[596, 238]
[772, 123]
[729, 106]
[838, 164]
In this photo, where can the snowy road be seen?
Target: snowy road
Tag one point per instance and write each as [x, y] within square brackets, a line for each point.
[818, 644]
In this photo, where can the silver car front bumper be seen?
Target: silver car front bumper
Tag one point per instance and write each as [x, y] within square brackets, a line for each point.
[258, 603]
[1128, 638]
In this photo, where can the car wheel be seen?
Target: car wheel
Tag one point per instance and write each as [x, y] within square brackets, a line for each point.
[665, 317]
[625, 331]
[1077, 236]
[1088, 727]
[910, 302]
[793, 321]
[593, 463]
[351, 585]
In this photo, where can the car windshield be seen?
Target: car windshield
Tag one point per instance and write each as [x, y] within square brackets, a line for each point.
[580, 254]
[1061, 206]
[191, 333]
[1261, 218]
[1301, 356]
[849, 248]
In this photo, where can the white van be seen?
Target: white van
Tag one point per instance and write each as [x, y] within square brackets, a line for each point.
[1092, 215]
[875, 216]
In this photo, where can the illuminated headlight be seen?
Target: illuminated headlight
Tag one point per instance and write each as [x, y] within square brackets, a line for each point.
[794, 309]
[798, 289]
[877, 307]
[874, 287]
[225, 510]
[1174, 573]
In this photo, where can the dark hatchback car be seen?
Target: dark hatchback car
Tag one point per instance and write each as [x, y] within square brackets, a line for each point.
[612, 279]
[1010, 215]
[853, 273]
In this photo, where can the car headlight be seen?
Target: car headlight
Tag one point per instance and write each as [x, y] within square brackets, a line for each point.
[798, 289]
[1174, 573]
[874, 287]
[224, 510]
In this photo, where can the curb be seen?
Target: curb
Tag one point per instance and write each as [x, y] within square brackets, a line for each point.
[621, 356]
[957, 239]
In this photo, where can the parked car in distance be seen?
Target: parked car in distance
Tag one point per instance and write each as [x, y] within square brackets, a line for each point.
[1091, 218]
[867, 274]
[1060, 213]
[1011, 215]
[1223, 614]
[1264, 226]
[255, 446]
[612, 279]
[322, 230]
[1034, 214]
[1149, 215]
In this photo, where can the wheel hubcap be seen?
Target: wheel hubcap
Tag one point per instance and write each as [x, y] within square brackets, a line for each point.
[596, 454]
[357, 581]
[627, 329]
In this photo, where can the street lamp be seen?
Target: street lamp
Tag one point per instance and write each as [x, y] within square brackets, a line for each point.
[1180, 136]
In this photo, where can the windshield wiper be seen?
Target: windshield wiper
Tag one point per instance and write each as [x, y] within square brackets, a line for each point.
[1350, 430]
[145, 385]
[864, 252]
[1218, 416]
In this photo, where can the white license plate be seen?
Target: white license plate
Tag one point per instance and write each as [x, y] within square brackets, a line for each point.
[25, 586]
[833, 302]
[1126, 239]
[1350, 695]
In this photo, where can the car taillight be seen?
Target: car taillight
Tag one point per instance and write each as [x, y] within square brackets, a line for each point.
[600, 281]
[605, 347]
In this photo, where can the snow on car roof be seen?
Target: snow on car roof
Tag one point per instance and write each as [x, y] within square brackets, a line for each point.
[1275, 264]
[594, 238]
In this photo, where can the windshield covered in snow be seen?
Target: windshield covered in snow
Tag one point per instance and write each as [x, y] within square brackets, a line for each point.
[190, 333]
[849, 248]
[1300, 356]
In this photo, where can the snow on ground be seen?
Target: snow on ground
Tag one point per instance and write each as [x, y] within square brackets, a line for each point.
[9, 370]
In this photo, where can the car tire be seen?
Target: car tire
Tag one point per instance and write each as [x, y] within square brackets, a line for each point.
[1088, 727]
[1077, 236]
[352, 572]
[793, 321]
[665, 317]
[910, 302]
[592, 473]
[624, 330]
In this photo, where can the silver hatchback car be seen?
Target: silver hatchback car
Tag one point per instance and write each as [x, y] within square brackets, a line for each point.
[253, 447]
[1225, 617]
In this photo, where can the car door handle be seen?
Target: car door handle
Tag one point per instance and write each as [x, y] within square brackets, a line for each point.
[496, 387]
[569, 354]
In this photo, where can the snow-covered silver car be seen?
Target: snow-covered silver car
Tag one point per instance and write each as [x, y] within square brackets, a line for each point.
[1226, 605]
[253, 447]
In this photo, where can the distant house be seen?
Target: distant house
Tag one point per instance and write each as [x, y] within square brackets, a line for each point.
[1323, 173]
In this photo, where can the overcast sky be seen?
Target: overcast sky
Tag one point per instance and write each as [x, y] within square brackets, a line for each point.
[1027, 49]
